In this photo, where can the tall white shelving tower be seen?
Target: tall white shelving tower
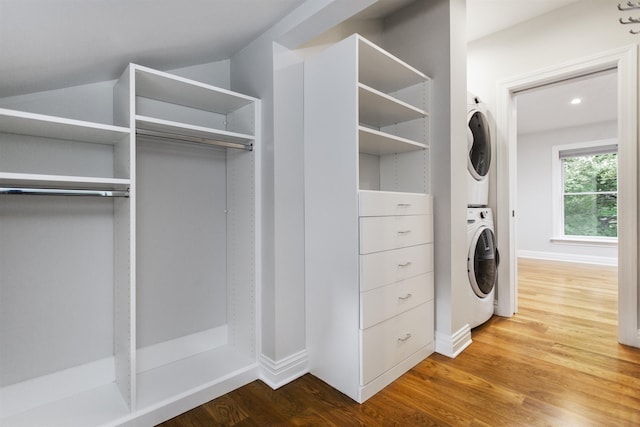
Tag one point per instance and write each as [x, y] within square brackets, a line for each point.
[368, 217]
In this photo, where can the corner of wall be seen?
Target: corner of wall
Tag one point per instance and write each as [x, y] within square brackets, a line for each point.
[453, 345]
[278, 373]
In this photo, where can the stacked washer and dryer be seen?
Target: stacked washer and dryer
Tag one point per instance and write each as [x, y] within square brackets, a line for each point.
[482, 259]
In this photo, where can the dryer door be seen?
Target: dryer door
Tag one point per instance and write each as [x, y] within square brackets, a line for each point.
[478, 144]
[483, 262]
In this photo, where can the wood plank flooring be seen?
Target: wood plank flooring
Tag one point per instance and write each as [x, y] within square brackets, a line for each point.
[555, 363]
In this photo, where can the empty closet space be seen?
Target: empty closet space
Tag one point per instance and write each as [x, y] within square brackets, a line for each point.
[181, 286]
[195, 233]
[63, 193]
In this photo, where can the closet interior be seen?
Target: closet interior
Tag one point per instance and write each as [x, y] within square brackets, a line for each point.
[128, 278]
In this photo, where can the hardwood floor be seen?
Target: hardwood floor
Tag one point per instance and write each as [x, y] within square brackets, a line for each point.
[556, 362]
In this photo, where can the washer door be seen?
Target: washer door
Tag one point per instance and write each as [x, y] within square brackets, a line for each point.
[482, 262]
[478, 144]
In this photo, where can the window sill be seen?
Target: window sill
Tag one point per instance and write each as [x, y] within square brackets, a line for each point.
[585, 241]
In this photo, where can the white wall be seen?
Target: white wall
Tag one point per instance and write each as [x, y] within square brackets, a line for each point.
[535, 221]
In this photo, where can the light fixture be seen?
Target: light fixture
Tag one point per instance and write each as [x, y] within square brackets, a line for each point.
[576, 101]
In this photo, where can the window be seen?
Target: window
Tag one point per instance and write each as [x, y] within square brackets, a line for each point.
[586, 185]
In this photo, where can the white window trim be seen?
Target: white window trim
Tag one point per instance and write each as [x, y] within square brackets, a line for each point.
[557, 205]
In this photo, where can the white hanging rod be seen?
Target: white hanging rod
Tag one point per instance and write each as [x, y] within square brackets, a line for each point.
[167, 136]
[62, 192]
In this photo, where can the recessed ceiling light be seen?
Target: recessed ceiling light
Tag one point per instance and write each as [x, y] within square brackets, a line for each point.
[576, 101]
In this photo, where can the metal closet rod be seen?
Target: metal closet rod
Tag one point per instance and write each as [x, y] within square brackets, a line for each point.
[167, 136]
[63, 192]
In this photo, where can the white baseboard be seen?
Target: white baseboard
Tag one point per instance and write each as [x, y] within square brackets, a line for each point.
[556, 256]
[278, 373]
[453, 345]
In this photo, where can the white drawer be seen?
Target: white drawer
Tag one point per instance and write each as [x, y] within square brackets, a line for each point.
[391, 232]
[386, 344]
[384, 203]
[388, 301]
[383, 268]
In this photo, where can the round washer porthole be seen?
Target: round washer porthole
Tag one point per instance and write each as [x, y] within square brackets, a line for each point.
[482, 262]
[478, 144]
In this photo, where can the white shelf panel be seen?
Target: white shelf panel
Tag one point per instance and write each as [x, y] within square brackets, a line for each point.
[175, 128]
[98, 406]
[62, 181]
[383, 71]
[190, 375]
[189, 93]
[379, 109]
[23, 123]
[373, 141]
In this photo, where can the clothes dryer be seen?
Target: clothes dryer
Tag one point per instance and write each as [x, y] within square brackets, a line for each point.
[479, 149]
[482, 265]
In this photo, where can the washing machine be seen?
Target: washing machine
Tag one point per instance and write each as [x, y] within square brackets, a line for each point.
[479, 149]
[482, 265]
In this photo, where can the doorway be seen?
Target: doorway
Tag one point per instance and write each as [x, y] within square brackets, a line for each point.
[566, 165]
[566, 231]
[624, 62]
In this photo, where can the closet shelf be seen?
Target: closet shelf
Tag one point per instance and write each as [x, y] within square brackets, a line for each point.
[371, 141]
[24, 123]
[170, 130]
[383, 71]
[173, 89]
[63, 181]
[379, 109]
[185, 376]
[98, 406]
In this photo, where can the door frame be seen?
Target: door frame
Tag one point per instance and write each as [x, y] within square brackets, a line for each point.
[625, 61]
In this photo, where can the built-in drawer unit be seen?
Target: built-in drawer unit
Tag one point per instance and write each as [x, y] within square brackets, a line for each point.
[387, 301]
[388, 343]
[387, 203]
[380, 233]
[382, 268]
[396, 279]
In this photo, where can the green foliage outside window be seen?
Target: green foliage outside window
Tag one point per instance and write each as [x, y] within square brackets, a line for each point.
[591, 195]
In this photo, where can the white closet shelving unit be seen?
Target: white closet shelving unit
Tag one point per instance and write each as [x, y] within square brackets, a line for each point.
[58, 273]
[132, 309]
[47, 132]
[196, 226]
[369, 222]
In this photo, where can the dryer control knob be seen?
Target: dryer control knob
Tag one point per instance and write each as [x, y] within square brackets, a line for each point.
[483, 214]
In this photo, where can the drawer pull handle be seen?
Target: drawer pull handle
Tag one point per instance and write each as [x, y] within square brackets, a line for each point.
[404, 205]
[405, 338]
[406, 297]
[405, 264]
[404, 231]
